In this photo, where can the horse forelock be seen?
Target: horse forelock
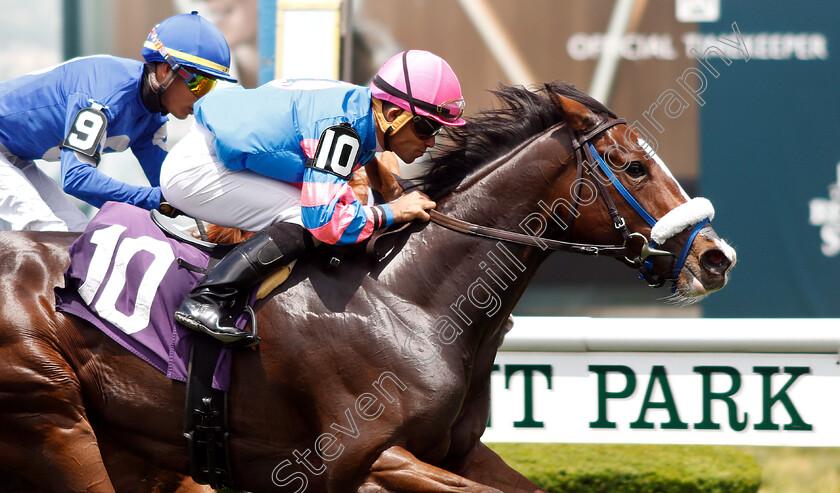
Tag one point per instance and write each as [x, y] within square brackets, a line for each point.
[492, 133]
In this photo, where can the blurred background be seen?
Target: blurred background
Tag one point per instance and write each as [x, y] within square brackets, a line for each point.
[755, 133]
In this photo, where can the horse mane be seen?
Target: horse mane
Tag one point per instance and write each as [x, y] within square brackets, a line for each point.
[494, 132]
[221, 234]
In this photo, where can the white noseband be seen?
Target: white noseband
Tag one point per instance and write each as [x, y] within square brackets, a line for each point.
[680, 218]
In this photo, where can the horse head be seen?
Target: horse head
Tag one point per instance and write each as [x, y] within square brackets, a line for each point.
[587, 183]
[670, 238]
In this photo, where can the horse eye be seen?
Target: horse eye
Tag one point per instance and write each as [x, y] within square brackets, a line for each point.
[636, 169]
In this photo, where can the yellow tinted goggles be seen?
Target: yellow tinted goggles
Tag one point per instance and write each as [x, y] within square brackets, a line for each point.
[199, 84]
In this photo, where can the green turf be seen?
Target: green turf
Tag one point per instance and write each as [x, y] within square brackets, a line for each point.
[634, 468]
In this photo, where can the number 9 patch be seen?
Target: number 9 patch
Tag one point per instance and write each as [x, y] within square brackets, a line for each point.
[86, 132]
[337, 151]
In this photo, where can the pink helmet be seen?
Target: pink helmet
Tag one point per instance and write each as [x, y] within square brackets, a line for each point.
[423, 83]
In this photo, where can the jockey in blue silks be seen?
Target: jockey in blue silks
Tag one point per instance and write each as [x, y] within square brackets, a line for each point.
[79, 109]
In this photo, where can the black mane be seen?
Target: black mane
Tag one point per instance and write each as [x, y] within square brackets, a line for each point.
[494, 132]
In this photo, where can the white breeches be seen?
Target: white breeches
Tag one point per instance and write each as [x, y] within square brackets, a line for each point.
[194, 180]
[32, 201]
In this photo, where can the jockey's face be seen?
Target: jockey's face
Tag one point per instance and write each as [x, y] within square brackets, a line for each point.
[177, 98]
[405, 142]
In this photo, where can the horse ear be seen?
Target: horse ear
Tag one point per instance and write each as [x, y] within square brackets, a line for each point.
[578, 116]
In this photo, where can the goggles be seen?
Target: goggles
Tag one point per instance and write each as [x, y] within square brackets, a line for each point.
[426, 128]
[448, 111]
[197, 83]
[451, 110]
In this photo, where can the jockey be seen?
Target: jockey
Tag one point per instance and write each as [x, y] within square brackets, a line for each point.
[75, 110]
[277, 159]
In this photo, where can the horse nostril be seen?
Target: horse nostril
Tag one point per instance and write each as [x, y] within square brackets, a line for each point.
[715, 256]
[715, 260]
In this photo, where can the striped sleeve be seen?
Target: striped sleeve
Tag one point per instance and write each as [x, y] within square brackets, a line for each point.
[333, 214]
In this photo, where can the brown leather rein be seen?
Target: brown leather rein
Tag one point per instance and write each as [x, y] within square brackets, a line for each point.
[617, 251]
[465, 227]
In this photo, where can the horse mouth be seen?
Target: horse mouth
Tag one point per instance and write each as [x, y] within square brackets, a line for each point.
[706, 274]
[694, 286]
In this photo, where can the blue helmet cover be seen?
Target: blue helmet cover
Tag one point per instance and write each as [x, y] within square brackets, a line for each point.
[193, 42]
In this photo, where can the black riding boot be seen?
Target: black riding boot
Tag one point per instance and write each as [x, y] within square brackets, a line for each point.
[218, 299]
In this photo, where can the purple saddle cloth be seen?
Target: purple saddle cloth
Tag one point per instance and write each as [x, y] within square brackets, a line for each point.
[127, 277]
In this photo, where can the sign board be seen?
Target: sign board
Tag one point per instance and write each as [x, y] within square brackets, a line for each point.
[691, 386]
[308, 39]
[300, 39]
[769, 152]
[697, 10]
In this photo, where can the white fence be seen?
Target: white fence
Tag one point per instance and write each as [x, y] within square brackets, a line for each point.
[693, 381]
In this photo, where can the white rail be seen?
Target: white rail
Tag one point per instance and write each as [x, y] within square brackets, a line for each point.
[729, 335]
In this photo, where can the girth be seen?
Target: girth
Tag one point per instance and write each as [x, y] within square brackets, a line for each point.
[205, 408]
[205, 417]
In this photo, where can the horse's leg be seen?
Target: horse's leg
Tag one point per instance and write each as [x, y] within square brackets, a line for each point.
[129, 472]
[486, 467]
[12, 483]
[397, 470]
[70, 459]
[45, 435]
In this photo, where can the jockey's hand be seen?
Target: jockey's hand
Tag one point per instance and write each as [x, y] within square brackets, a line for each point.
[412, 206]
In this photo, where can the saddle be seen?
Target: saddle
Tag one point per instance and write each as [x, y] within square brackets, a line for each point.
[205, 411]
[219, 250]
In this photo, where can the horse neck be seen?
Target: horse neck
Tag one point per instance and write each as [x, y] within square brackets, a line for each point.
[472, 282]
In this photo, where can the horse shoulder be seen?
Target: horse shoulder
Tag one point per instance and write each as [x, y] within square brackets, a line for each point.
[31, 265]
[41, 406]
[474, 413]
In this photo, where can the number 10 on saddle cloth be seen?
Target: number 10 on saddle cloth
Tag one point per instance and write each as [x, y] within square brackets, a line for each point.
[126, 277]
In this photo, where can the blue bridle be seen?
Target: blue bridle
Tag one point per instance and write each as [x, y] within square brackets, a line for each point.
[652, 250]
[586, 153]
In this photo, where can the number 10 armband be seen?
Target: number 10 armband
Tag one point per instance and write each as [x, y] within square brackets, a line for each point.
[338, 149]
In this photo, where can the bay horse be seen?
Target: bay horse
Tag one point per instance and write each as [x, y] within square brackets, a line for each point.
[374, 376]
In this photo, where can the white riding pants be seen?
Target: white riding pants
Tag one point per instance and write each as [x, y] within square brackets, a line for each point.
[194, 180]
[32, 201]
